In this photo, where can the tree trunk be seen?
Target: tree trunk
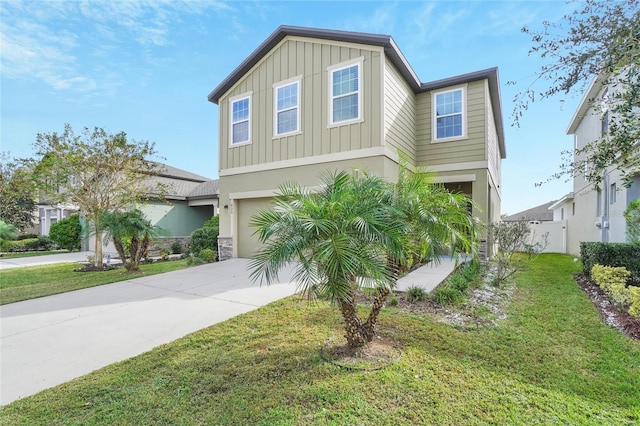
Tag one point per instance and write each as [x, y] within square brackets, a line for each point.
[352, 324]
[369, 328]
[98, 245]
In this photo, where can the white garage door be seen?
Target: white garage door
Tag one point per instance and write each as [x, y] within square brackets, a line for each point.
[246, 240]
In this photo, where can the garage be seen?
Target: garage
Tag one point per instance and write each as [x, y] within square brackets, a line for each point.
[246, 209]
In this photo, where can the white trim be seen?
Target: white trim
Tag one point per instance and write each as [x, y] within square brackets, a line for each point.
[455, 178]
[459, 166]
[295, 80]
[330, 71]
[243, 195]
[233, 100]
[463, 112]
[316, 159]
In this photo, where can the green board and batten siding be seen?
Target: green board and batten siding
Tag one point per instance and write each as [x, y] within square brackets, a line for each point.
[399, 112]
[470, 149]
[309, 60]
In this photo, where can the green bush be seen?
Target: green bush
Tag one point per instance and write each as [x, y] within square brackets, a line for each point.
[66, 232]
[634, 301]
[195, 261]
[26, 237]
[446, 295]
[176, 248]
[208, 255]
[203, 238]
[416, 294]
[612, 280]
[610, 254]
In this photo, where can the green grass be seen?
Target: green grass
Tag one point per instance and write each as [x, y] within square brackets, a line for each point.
[18, 284]
[552, 361]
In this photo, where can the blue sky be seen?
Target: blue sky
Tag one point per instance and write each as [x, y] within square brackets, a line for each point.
[146, 67]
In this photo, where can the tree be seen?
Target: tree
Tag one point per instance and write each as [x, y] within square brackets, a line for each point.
[340, 237]
[66, 232]
[97, 171]
[600, 39]
[438, 219]
[352, 233]
[132, 234]
[17, 204]
[7, 231]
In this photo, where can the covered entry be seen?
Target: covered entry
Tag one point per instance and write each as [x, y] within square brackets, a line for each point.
[246, 240]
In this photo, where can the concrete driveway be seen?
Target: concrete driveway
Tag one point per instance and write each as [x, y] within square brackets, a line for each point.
[51, 340]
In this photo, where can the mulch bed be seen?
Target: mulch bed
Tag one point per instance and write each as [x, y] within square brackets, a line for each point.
[609, 311]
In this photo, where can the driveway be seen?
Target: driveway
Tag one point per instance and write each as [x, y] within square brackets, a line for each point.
[48, 341]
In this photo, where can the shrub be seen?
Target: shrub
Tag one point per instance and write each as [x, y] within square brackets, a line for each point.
[393, 301]
[511, 238]
[634, 301]
[448, 296]
[195, 261]
[612, 280]
[26, 236]
[208, 255]
[66, 232]
[610, 254]
[203, 238]
[416, 294]
[176, 248]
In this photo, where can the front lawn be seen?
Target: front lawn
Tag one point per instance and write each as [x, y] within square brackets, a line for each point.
[552, 361]
[18, 284]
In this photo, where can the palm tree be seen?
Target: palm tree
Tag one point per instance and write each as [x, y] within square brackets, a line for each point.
[131, 233]
[341, 238]
[439, 220]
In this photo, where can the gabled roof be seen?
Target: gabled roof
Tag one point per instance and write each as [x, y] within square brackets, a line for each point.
[390, 49]
[180, 184]
[594, 88]
[540, 213]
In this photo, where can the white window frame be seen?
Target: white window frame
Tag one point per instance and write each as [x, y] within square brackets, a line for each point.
[463, 113]
[331, 70]
[232, 101]
[279, 85]
[613, 193]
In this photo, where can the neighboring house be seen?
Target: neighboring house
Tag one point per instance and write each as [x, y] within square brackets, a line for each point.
[536, 214]
[594, 214]
[189, 200]
[309, 100]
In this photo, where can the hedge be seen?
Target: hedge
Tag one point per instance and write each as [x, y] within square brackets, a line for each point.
[610, 254]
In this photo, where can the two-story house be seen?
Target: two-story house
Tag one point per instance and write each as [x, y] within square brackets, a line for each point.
[594, 214]
[309, 100]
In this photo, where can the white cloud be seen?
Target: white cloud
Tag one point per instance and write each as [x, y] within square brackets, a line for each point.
[69, 45]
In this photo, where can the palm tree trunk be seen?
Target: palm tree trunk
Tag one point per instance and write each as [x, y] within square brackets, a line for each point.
[353, 325]
[369, 327]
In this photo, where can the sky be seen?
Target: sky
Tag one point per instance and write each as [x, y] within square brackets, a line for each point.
[146, 68]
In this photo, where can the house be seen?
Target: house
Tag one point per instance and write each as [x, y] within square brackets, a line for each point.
[594, 214]
[187, 202]
[309, 100]
[536, 214]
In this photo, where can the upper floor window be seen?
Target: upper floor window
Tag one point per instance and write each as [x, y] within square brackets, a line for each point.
[240, 120]
[345, 93]
[449, 114]
[287, 108]
[605, 111]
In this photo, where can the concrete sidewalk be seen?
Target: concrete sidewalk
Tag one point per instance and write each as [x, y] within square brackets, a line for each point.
[429, 276]
[48, 341]
[47, 259]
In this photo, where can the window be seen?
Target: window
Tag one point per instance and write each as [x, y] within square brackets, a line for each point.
[598, 202]
[240, 120]
[604, 104]
[287, 110]
[448, 110]
[612, 193]
[573, 209]
[345, 94]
